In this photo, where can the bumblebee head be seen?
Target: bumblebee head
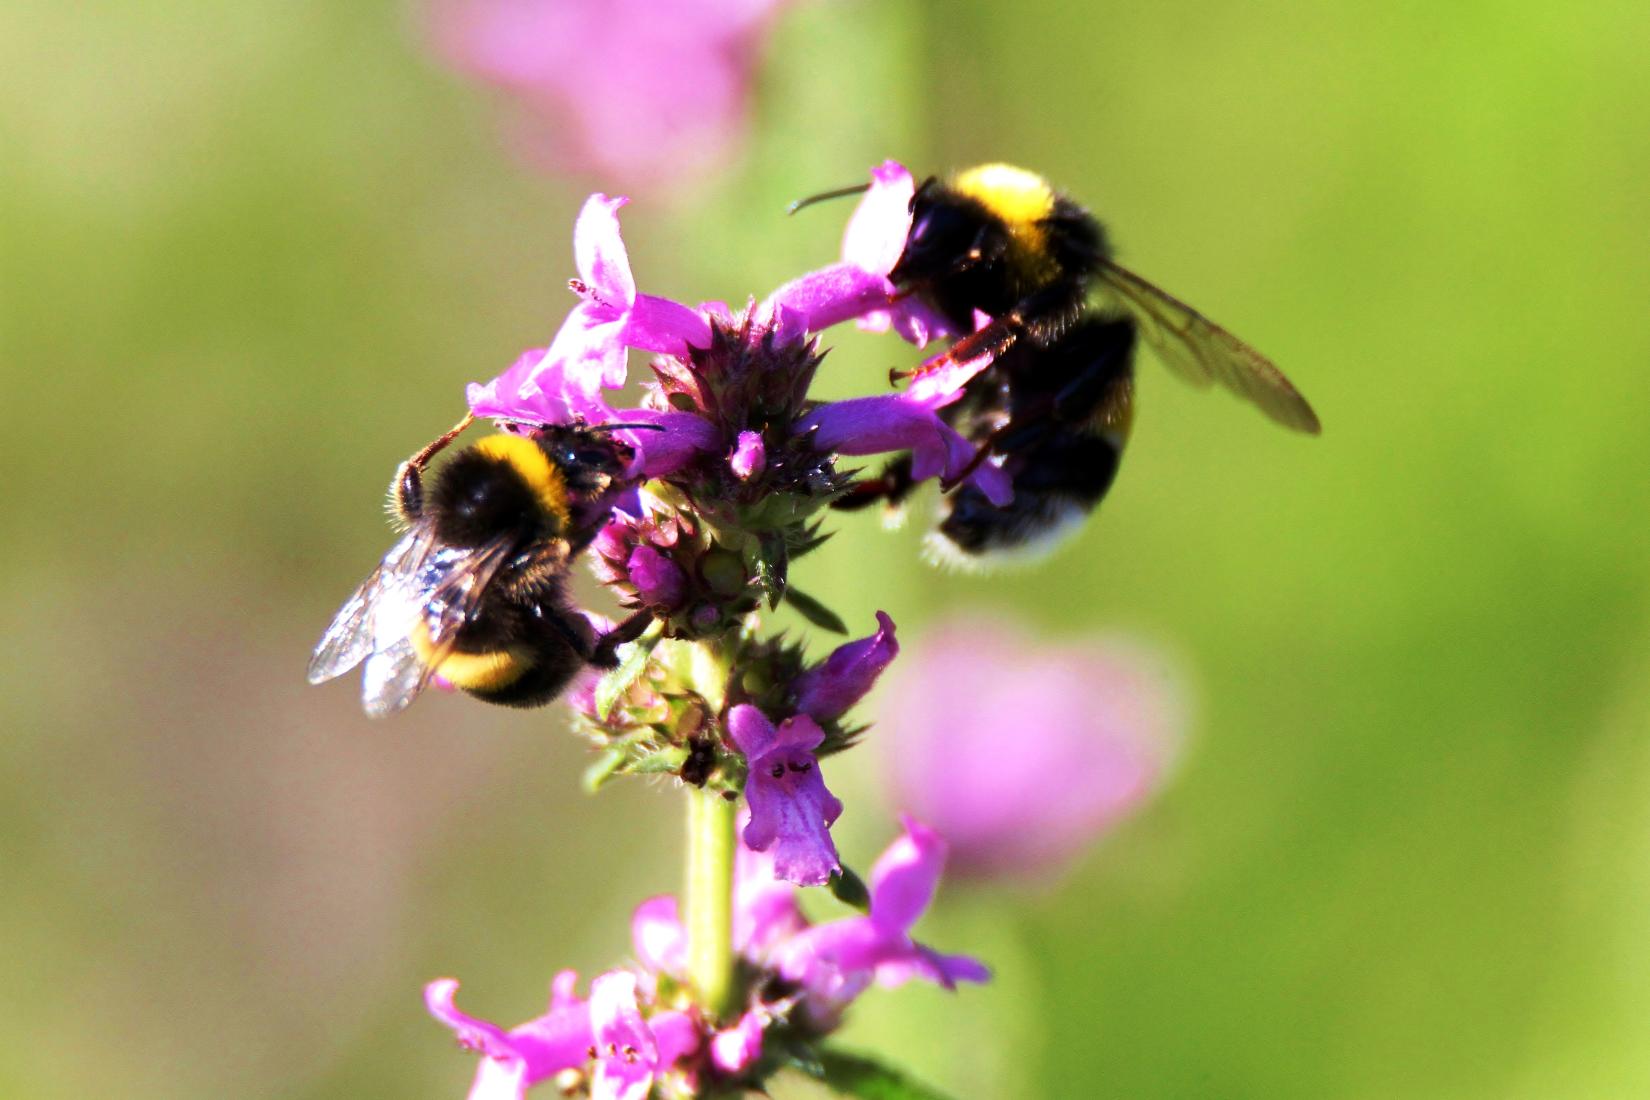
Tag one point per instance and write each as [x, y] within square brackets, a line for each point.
[950, 232]
[502, 485]
[590, 458]
[993, 215]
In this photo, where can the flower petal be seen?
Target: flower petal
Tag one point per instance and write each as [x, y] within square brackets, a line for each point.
[538, 1049]
[497, 1080]
[876, 231]
[793, 812]
[797, 734]
[536, 389]
[473, 1033]
[626, 1052]
[926, 963]
[905, 876]
[749, 456]
[827, 690]
[659, 581]
[677, 1034]
[657, 936]
[752, 733]
[665, 326]
[735, 1049]
[680, 438]
[600, 255]
[831, 295]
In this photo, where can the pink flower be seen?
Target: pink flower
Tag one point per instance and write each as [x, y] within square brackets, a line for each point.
[631, 1051]
[858, 288]
[633, 90]
[828, 689]
[1049, 746]
[836, 961]
[791, 811]
[513, 1061]
[906, 421]
[589, 352]
[749, 455]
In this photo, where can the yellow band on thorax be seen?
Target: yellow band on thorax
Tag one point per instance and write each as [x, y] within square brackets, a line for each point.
[534, 467]
[1021, 199]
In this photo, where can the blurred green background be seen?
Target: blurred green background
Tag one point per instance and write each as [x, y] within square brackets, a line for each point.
[252, 251]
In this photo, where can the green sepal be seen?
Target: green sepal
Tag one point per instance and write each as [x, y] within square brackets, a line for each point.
[613, 686]
[665, 760]
[811, 540]
[814, 611]
[849, 889]
[605, 767]
[855, 1075]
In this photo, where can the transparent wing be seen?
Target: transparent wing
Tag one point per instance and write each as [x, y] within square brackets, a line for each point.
[1202, 352]
[348, 639]
[432, 603]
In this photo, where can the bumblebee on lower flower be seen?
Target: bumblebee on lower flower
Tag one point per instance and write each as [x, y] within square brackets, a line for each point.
[474, 591]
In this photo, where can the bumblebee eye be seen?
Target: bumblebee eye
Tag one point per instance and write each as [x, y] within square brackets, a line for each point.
[921, 226]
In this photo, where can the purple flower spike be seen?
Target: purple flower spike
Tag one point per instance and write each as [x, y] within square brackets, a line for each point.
[749, 456]
[514, 1061]
[1052, 746]
[791, 811]
[827, 690]
[899, 422]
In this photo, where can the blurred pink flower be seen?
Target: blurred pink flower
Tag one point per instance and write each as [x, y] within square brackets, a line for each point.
[635, 91]
[1051, 744]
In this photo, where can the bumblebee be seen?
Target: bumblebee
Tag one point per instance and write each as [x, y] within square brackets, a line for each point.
[474, 591]
[1055, 405]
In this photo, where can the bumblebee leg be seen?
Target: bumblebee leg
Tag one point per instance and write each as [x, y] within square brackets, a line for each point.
[1039, 317]
[604, 654]
[407, 488]
[893, 485]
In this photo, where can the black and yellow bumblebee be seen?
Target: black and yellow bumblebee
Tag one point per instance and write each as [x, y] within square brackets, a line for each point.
[1056, 404]
[474, 591]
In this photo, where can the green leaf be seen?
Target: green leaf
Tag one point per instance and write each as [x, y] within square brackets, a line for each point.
[855, 1075]
[613, 686]
[849, 889]
[814, 611]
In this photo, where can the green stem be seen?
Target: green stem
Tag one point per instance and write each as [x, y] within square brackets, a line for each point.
[710, 850]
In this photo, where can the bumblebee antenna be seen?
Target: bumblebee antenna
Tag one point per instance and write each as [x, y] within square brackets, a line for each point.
[839, 193]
